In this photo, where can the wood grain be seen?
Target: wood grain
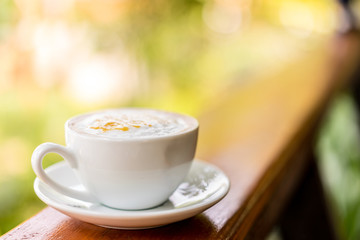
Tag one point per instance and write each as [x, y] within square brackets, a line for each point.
[259, 134]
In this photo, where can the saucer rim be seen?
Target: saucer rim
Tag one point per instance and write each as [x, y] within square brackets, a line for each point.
[134, 214]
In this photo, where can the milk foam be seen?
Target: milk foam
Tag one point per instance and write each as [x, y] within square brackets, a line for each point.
[130, 123]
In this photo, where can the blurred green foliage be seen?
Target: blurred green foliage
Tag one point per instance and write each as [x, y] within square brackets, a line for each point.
[339, 154]
[186, 56]
[20, 133]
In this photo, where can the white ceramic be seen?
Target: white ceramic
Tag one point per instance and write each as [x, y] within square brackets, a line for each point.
[204, 186]
[134, 173]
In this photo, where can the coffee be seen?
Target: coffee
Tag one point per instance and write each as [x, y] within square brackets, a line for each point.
[126, 158]
[131, 123]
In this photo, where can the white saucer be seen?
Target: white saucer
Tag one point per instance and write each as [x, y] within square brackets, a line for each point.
[204, 186]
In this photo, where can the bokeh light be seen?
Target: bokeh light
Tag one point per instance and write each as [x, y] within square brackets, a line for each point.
[61, 58]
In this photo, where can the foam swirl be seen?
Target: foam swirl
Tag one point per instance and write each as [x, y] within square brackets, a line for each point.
[131, 123]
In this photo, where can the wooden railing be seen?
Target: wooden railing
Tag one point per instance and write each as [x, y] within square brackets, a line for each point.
[261, 135]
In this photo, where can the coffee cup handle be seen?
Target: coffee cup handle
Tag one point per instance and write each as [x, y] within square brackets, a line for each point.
[36, 162]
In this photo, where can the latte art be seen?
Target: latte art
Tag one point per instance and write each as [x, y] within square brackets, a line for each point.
[131, 123]
[122, 124]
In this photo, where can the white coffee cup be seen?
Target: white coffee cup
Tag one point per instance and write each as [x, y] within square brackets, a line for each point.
[128, 173]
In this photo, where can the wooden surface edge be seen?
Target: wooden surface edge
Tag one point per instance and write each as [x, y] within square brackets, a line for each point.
[252, 207]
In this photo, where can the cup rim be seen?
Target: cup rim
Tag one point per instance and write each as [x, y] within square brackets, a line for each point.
[194, 126]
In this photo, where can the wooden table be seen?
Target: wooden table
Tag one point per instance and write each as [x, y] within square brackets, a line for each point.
[262, 136]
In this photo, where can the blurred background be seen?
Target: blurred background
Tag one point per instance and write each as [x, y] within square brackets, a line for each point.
[61, 58]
